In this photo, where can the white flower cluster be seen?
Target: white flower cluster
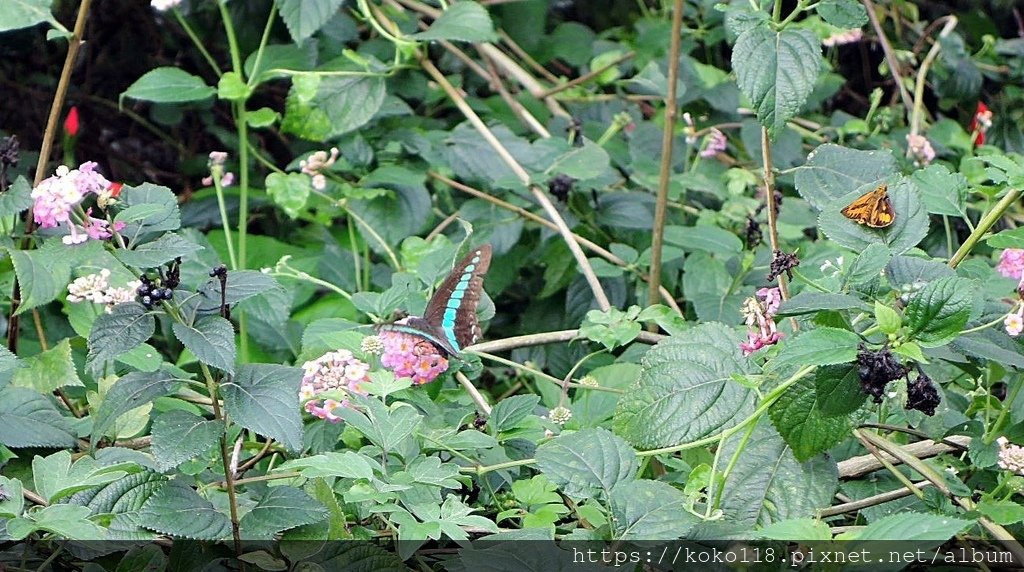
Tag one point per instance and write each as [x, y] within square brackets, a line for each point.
[96, 288]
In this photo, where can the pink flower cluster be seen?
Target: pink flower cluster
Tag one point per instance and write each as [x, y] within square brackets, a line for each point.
[56, 197]
[1011, 457]
[920, 149]
[328, 382]
[411, 356]
[1011, 263]
[714, 143]
[759, 313]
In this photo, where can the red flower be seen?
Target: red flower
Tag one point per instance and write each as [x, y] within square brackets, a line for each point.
[980, 123]
[115, 189]
[71, 122]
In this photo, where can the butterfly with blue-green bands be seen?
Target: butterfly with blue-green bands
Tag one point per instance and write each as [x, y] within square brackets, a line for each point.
[449, 321]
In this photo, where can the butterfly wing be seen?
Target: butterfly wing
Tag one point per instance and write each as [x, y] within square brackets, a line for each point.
[873, 209]
[419, 327]
[451, 311]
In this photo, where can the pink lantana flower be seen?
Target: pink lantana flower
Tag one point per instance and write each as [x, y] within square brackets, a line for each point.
[1011, 263]
[411, 356]
[759, 313]
[329, 381]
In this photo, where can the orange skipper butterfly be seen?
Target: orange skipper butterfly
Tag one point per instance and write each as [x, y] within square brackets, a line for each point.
[873, 209]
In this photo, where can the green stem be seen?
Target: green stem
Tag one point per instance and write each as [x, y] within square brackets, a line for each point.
[732, 464]
[982, 327]
[990, 435]
[986, 222]
[484, 469]
[225, 223]
[263, 43]
[197, 42]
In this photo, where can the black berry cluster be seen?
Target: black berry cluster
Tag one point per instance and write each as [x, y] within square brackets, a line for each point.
[877, 368]
[151, 294]
[219, 271]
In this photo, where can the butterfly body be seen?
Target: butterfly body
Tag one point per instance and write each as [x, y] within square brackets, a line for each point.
[449, 321]
[873, 209]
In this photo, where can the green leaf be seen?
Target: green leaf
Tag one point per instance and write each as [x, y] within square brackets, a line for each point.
[811, 302]
[820, 346]
[465, 21]
[906, 231]
[385, 427]
[769, 485]
[169, 85]
[131, 391]
[838, 390]
[17, 198]
[939, 311]
[125, 327]
[14, 503]
[19, 14]
[805, 429]
[832, 171]
[280, 508]
[910, 526]
[888, 320]
[508, 412]
[31, 420]
[290, 191]
[232, 88]
[1009, 238]
[179, 436]
[163, 206]
[324, 107]
[685, 390]
[179, 511]
[402, 212]
[49, 370]
[586, 162]
[42, 274]
[942, 192]
[145, 558]
[776, 71]
[265, 398]
[842, 13]
[305, 17]
[160, 251]
[650, 510]
[65, 521]
[211, 340]
[705, 238]
[347, 464]
[587, 463]
[796, 530]
[869, 264]
[262, 117]
[56, 477]
[1003, 512]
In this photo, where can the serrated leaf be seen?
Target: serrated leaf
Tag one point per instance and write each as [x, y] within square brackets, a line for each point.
[27, 13]
[280, 508]
[160, 251]
[56, 477]
[805, 429]
[125, 327]
[48, 370]
[650, 510]
[123, 496]
[304, 17]
[211, 340]
[942, 192]
[17, 198]
[400, 213]
[66, 521]
[820, 346]
[768, 484]
[31, 420]
[1004, 512]
[41, 274]
[169, 85]
[869, 264]
[907, 230]
[178, 510]
[796, 530]
[842, 13]
[939, 311]
[832, 171]
[324, 107]
[346, 464]
[1009, 238]
[165, 217]
[265, 398]
[838, 390]
[180, 435]
[129, 392]
[685, 390]
[811, 302]
[776, 71]
[510, 411]
[911, 526]
[465, 21]
[385, 427]
[290, 191]
[706, 238]
[888, 319]
[586, 162]
[587, 463]
[13, 501]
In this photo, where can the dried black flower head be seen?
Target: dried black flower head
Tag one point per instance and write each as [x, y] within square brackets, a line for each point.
[998, 390]
[173, 277]
[560, 186]
[782, 262]
[479, 422]
[876, 369]
[9, 155]
[754, 234]
[922, 394]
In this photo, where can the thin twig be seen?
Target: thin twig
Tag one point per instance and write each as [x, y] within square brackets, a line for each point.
[594, 73]
[520, 52]
[559, 336]
[666, 296]
[854, 506]
[773, 210]
[864, 464]
[480, 400]
[668, 135]
[890, 56]
[922, 75]
[520, 172]
[517, 108]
